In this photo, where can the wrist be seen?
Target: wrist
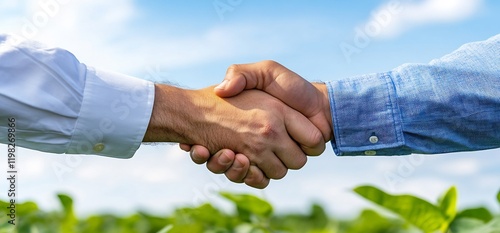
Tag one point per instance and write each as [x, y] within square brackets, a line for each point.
[325, 112]
[171, 117]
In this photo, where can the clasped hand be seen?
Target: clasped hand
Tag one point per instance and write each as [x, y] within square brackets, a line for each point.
[267, 130]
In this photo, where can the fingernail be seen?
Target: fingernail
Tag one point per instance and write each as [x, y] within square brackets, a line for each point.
[223, 85]
[237, 164]
[224, 159]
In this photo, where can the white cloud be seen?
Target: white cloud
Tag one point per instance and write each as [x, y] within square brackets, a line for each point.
[398, 16]
[9, 4]
[101, 34]
[34, 167]
[461, 167]
[166, 167]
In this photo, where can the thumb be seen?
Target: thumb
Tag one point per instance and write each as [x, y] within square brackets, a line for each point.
[230, 86]
[248, 76]
[234, 82]
[274, 79]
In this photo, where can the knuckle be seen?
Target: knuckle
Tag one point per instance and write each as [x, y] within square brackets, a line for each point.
[260, 183]
[214, 169]
[263, 183]
[279, 173]
[317, 138]
[299, 163]
[269, 63]
[233, 68]
[316, 143]
[235, 178]
[269, 130]
[198, 159]
[256, 178]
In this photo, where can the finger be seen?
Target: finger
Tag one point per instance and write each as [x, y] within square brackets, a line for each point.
[221, 161]
[185, 147]
[304, 132]
[284, 84]
[248, 76]
[256, 178]
[290, 154]
[276, 80]
[234, 82]
[199, 154]
[272, 164]
[231, 86]
[239, 169]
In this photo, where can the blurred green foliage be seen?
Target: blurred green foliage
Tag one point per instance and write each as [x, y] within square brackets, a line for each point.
[255, 215]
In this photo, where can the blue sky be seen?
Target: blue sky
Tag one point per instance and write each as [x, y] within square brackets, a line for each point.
[191, 43]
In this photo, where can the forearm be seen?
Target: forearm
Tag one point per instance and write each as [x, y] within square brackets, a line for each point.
[64, 106]
[177, 115]
[450, 104]
[187, 116]
[167, 116]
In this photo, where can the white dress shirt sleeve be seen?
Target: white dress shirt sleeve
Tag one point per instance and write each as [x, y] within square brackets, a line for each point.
[63, 106]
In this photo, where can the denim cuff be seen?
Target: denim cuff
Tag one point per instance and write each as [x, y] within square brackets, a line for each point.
[365, 115]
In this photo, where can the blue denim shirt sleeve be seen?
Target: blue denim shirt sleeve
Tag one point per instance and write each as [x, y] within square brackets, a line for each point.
[451, 104]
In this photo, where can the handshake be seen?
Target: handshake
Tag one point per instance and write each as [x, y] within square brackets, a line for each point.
[262, 120]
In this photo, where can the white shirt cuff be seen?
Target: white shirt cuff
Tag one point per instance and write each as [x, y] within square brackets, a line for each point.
[114, 116]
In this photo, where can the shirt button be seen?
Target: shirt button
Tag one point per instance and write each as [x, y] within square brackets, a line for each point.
[373, 139]
[98, 147]
[370, 152]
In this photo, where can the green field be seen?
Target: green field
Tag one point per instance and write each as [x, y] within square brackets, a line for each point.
[253, 215]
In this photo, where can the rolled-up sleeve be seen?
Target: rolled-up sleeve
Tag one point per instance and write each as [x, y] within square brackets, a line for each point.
[63, 106]
[450, 104]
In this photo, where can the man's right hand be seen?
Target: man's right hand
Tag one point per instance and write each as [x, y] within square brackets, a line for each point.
[273, 78]
[253, 123]
[280, 82]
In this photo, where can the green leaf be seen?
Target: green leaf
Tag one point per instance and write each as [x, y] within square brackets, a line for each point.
[448, 204]
[67, 203]
[480, 213]
[206, 214]
[69, 219]
[468, 225]
[166, 229]
[318, 217]
[414, 210]
[371, 221]
[465, 225]
[316, 221]
[250, 203]
[498, 197]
